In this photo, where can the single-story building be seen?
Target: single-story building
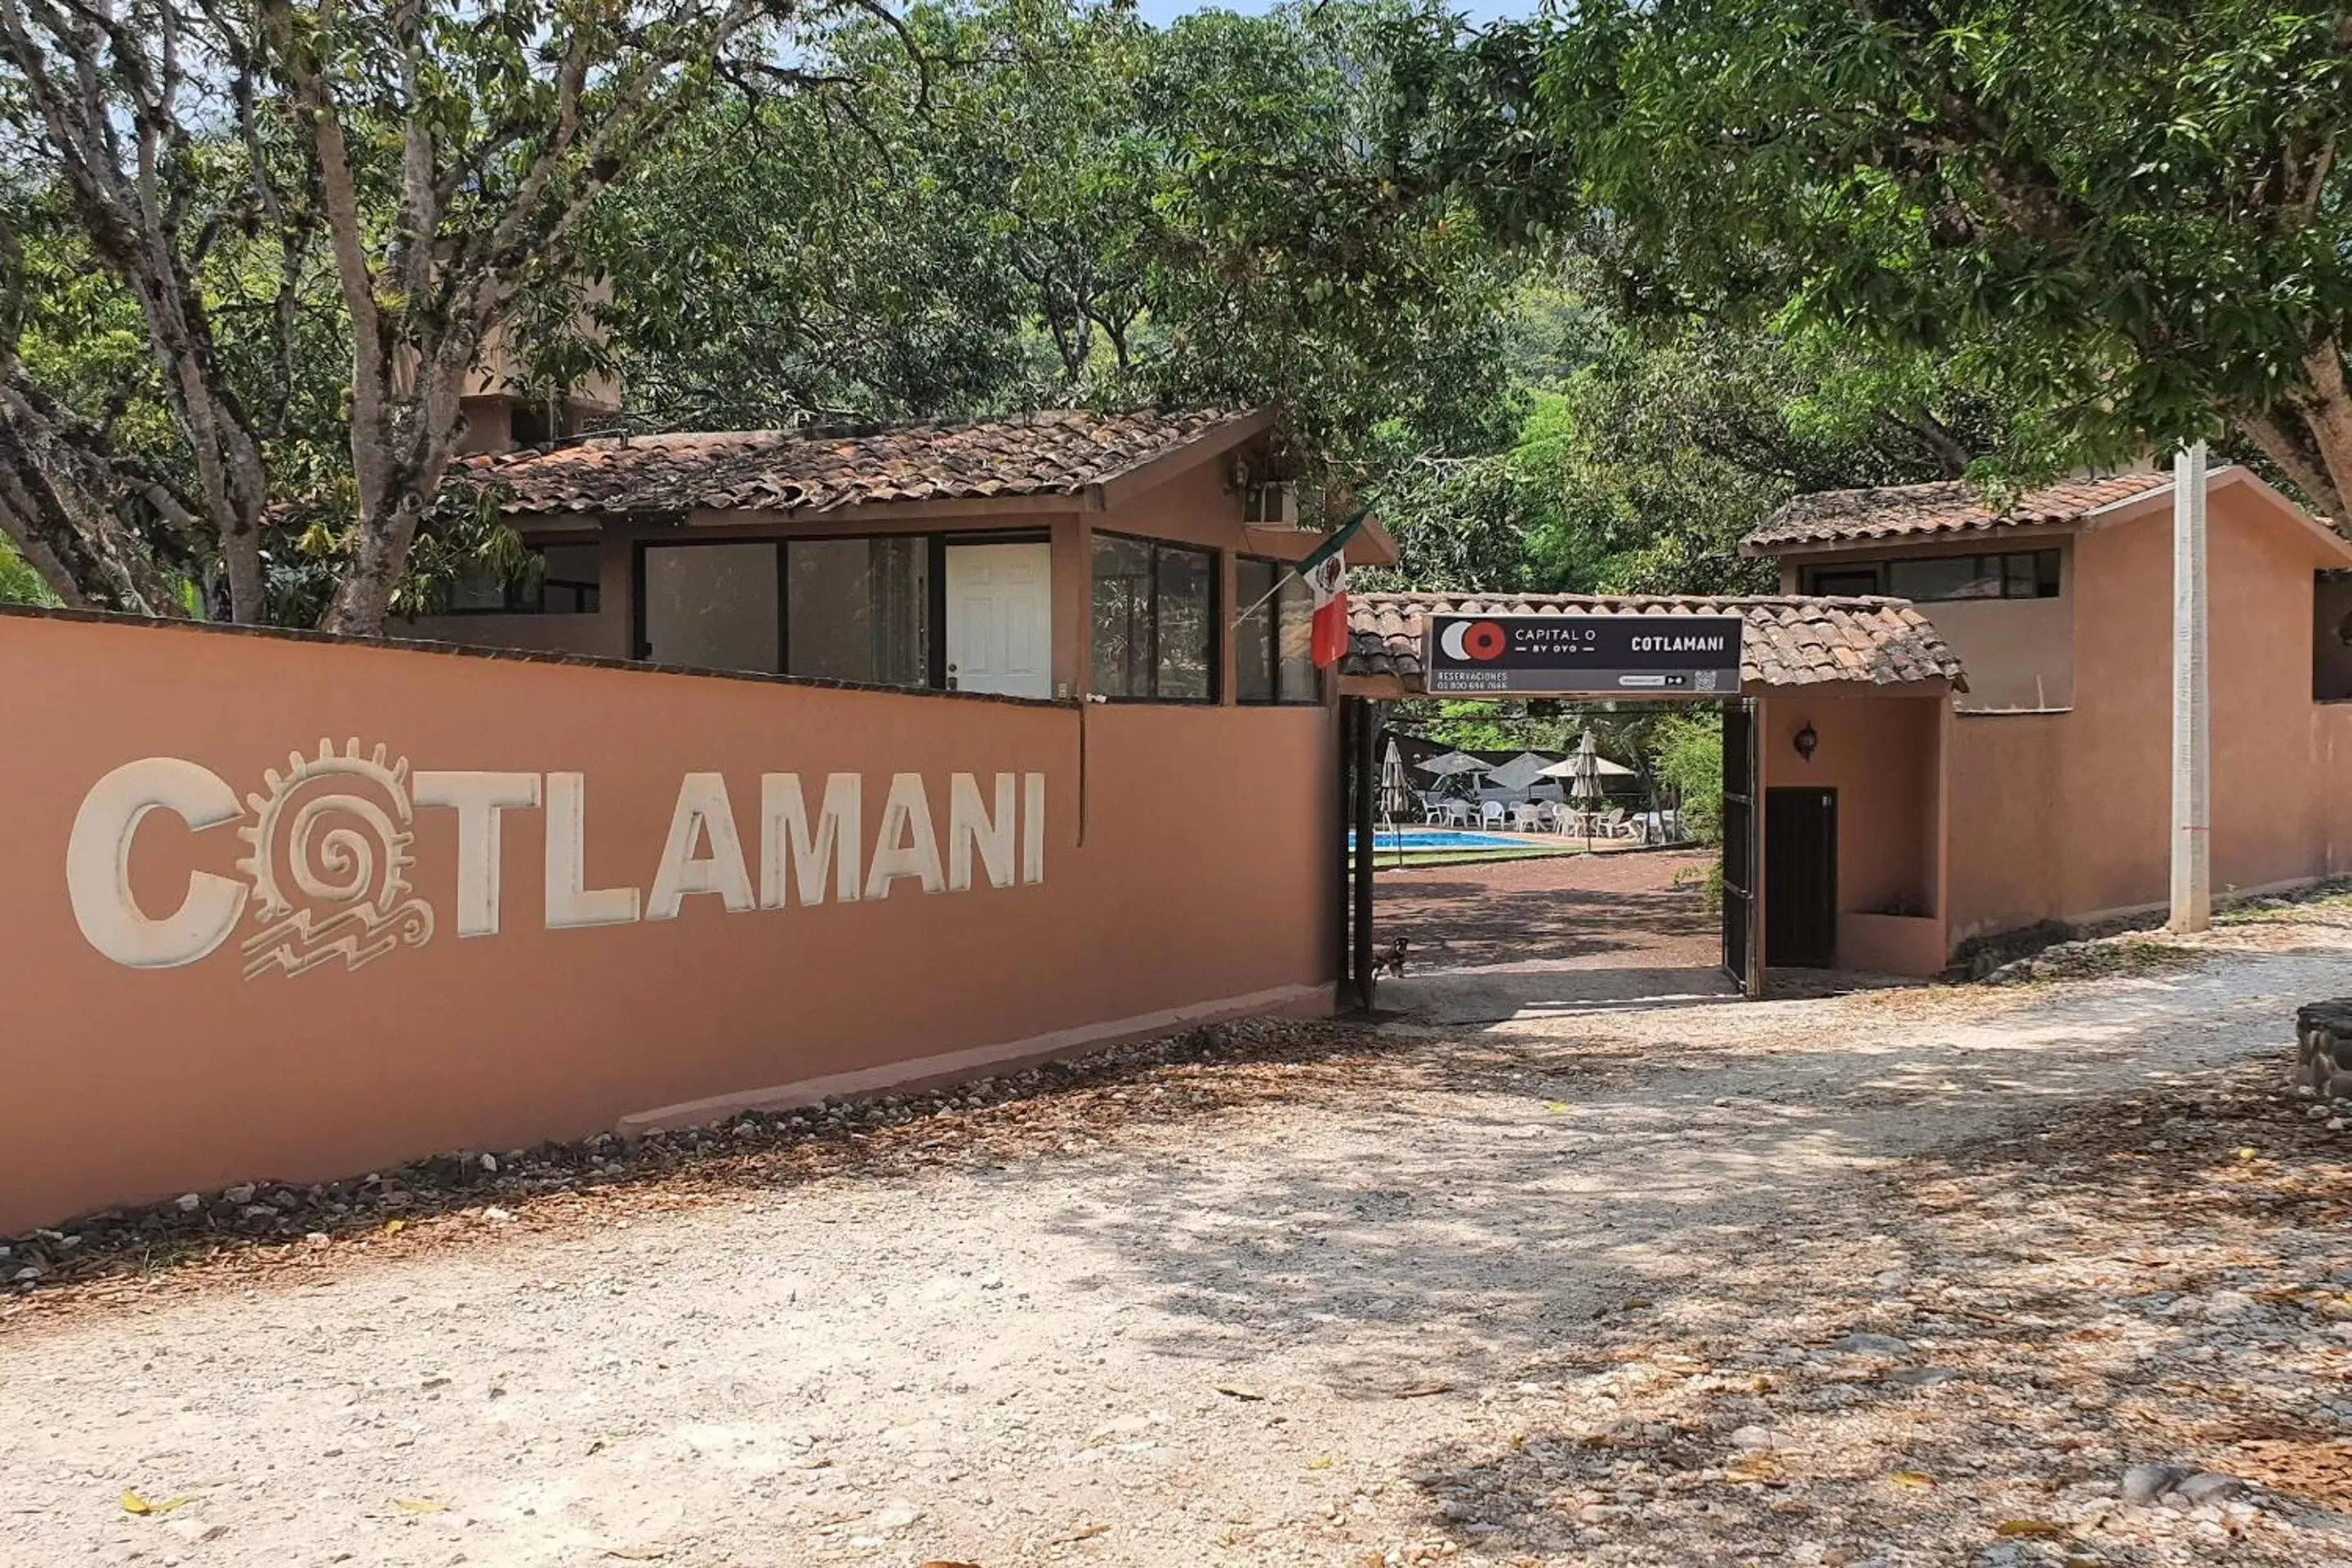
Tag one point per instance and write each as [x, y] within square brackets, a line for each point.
[1054, 555]
[1871, 678]
[2055, 790]
[1963, 711]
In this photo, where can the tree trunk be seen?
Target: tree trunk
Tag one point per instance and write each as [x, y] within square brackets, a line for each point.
[57, 507]
[363, 599]
[2287, 440]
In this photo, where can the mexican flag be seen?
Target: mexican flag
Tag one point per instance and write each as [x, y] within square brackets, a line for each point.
[1325, 573]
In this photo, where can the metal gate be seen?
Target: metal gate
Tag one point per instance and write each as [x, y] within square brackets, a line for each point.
[1741, 842]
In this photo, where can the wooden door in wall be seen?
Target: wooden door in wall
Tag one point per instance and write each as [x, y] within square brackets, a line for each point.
[1800, 877]
[999, 604]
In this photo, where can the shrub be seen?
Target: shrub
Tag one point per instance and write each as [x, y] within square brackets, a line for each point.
[1690, 758]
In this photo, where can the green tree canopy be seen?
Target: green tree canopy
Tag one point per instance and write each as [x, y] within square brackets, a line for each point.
[2133, 217]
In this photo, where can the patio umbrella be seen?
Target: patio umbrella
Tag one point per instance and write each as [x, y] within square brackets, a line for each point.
[1520, 771]
[1602, 766]
[1584, 780]
[1396, 795]
[1451, 764]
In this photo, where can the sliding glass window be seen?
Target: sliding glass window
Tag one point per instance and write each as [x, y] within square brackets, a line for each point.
[710, 607]
[1155, 620]
[859, 609]
[1273, 641]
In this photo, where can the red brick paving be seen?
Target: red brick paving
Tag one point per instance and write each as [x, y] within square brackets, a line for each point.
[1609, 910]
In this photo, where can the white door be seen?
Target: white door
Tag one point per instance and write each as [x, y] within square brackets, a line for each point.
[1000, 618]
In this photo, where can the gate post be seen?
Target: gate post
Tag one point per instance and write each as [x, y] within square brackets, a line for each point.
[1367, 772]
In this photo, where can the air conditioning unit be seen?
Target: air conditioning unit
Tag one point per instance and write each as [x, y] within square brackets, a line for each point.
[1270, 506]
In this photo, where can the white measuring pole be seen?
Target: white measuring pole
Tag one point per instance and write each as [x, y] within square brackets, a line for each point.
[2193, 760]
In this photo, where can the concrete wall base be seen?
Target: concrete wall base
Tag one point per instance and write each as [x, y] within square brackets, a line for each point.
[981, 1061]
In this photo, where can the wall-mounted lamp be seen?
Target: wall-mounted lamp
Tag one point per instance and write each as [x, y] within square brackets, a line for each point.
[1805, 741]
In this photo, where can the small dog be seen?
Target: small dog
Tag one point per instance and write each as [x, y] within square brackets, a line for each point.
[1393, 961]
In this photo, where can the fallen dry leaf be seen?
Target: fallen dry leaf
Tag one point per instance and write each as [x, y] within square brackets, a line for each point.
[944, 1563]
[1914, 1479]
[394, 1226]
[2042, 1527]
[1320, 1462]
[419, 1505]
[133, 1503]
[1422, 1390]
[1238, 1391]
[1087, 1533]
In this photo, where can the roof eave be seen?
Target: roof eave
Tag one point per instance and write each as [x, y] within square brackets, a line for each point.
[2332, 544]
[1755, 550]
[1123, 485]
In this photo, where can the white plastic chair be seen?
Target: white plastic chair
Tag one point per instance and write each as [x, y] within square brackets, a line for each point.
[1490, 814]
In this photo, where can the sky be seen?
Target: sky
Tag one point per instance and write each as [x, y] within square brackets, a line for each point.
[1159, 13]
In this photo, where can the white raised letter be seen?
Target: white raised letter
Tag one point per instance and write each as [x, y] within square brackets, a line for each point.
[969, 825]
[98, 865]
[784, 834]
[478, 798]
[702, 809]
[570, 903]
[907, 815]
[1032, 829]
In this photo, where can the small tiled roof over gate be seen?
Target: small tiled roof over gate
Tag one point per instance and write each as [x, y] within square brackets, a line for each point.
[1057, 452]
[1788, 640]
[1950, 506]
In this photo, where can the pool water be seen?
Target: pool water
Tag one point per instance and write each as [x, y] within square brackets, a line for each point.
[1431, 841]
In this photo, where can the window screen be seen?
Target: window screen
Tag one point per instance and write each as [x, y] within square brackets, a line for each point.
[1155, 620]
[1274, 642]
[1933, 579]
[858, 609]
[712, 606]
[1842, 582]
[1254, 674]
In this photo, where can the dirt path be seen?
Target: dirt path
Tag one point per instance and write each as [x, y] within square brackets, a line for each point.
[1565, 1290]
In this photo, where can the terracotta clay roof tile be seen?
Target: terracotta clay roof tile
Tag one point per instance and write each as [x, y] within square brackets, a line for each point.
[1789, 641]
[1059, 452]
[1953, 506]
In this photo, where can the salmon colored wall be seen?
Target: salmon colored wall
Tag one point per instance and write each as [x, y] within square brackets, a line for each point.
[2069, 817]
[2009, 837]
[1878, 753]
[130, 1084]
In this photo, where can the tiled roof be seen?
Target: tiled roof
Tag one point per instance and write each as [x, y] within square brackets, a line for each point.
[1060, 452]
[1787, 641]
[1950, 506]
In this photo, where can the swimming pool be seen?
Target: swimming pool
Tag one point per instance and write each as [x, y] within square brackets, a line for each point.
[1431, 841]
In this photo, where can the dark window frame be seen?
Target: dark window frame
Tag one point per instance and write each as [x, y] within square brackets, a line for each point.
[1282, 571]
[937, 543]
[1215, 694]
[513, 590]
[1881, 571]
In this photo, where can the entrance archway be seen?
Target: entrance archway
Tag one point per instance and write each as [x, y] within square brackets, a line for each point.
[1828, 861]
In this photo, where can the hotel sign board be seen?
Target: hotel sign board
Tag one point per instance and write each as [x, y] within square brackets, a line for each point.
[1669, 655]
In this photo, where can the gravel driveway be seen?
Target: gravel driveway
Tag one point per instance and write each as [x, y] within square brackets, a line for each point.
[1564, 1290]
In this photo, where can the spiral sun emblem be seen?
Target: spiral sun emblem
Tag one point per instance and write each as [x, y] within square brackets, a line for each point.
[330, 838]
